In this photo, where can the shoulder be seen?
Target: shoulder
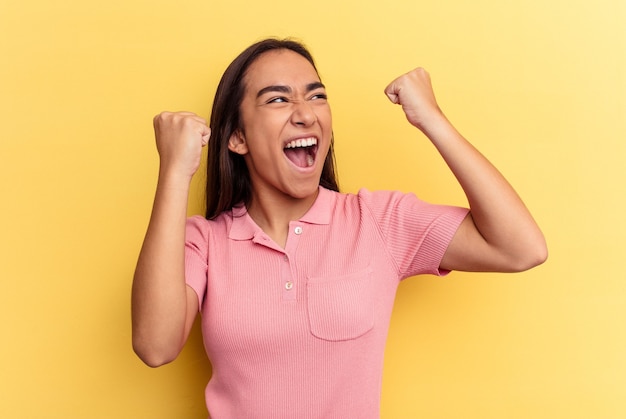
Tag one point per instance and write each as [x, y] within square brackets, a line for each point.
[381, 206]
[198, 229]
[226, 217]
[386, 202]
[394, 209]
[364, 196]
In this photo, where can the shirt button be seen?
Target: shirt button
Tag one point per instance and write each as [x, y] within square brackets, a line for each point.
[298, 230]
[285, 258]
[289, 285]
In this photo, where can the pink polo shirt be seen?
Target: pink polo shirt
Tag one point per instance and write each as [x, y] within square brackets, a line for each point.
[300, 332]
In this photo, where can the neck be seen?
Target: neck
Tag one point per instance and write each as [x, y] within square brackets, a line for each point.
[273, 213]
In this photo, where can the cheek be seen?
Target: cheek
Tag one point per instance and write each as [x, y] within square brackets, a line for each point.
[260, 130]
[325, 118]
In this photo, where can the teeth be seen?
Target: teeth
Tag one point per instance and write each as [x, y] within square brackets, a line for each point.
[303, 142]
[309, 160]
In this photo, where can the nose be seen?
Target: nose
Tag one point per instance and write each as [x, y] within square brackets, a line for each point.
[303, 114]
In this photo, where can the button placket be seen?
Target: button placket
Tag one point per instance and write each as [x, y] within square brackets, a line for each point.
[289, 275]
[289, 293]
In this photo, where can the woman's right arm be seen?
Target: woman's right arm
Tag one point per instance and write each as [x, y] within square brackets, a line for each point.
[163, 306]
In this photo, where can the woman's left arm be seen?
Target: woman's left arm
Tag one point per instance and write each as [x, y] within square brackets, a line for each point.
[499, 234]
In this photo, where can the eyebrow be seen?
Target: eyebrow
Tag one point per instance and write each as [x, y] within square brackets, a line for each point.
[287, 89]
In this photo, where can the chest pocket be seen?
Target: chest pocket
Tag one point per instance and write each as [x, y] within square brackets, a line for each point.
[341, 307]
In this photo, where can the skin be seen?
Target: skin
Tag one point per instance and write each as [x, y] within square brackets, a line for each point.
[163, 306]
[284, 100]
[499, 234]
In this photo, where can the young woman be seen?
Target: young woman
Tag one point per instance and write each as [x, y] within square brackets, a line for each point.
[295, 281]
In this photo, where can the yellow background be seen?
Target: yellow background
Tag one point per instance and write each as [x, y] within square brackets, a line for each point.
[539, 86]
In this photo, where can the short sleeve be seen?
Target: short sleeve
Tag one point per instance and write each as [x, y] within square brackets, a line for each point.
[196, 256]
[416, 233]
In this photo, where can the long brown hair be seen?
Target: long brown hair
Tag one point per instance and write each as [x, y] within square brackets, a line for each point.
[228, 180]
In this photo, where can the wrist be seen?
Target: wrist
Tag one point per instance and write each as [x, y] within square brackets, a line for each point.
[174, 179]
[433, 122]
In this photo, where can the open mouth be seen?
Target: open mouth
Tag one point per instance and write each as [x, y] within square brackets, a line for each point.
[302, 152]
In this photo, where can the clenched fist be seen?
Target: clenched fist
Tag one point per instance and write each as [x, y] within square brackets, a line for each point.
[414, 92]
[180, 137]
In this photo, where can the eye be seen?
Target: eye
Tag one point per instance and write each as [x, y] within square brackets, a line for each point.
[318, 96]
[279, 99]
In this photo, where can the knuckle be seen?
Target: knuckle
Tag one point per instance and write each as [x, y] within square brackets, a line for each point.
[162, 116]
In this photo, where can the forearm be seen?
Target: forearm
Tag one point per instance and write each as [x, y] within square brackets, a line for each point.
[159, 291]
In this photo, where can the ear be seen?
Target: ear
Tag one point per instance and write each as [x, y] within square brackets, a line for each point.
[237, 143]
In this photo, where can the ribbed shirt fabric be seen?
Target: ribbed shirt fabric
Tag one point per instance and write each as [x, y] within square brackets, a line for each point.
[300, 332]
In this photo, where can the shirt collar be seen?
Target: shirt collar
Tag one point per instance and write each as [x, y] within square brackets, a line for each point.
[319, 213]
[244, 228]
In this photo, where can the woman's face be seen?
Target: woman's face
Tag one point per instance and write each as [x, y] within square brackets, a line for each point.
[287, 125]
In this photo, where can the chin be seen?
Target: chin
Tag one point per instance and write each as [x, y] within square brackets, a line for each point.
[305, 191]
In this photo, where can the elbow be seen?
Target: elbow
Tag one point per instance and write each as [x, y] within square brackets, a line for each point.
[539, 253]
[542, 254]
[151, 355]
[533, 261]
[534, 255]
